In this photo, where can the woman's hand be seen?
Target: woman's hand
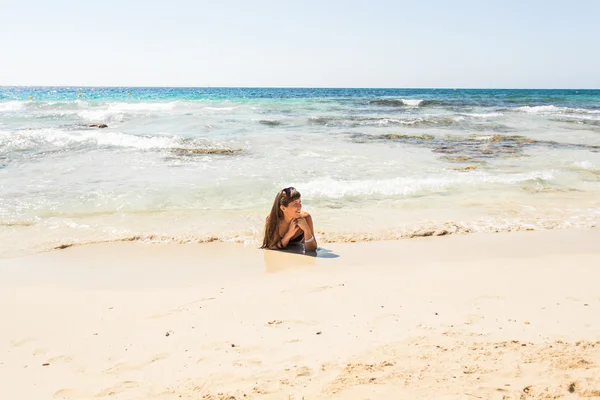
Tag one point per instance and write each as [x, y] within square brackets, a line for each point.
[291, 232]
[303, 224]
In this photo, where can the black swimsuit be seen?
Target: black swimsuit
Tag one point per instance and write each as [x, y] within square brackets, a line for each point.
[297, 239]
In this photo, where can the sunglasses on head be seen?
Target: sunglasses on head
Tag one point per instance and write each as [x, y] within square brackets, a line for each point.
[288, 190]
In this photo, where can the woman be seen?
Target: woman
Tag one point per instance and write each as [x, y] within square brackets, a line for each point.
[287, 224]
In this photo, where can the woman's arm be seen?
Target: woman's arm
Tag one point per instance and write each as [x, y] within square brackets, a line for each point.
[306, 224]
[285, 240]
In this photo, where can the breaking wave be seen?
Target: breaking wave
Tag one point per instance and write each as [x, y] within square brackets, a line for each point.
[11, 106]
[409, 121]
[42, 139]
[552, 110]
[406, 186]
[407, 103]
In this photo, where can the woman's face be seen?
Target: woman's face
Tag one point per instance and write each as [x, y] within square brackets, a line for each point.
[293, 209]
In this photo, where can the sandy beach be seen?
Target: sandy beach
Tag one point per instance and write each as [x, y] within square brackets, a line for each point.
[481, 316]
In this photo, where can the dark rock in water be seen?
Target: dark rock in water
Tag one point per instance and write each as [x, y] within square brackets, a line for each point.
[446, 149]
[459, 159]
[467, 168]
[493, 127]
[269, 122]
[512, 138]
[184, 152]
[387, 103]
[593, 122]
[98, 126]
[395, 136]
[473, 148]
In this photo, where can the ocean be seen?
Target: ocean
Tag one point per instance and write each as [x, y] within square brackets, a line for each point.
[193, 165]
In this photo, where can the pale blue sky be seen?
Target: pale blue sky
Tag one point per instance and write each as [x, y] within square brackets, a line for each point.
[371, 43]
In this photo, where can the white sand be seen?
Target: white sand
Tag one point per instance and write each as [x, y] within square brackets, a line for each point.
[500, 316]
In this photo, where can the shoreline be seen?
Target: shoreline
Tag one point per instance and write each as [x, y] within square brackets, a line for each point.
[461, 316]
[435, 230]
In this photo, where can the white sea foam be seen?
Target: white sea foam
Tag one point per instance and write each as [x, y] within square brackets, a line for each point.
[368, 122]
[584, 117]
[484, 115]
[388, 121]
[33, 139]
[219, 108]
[125, 140]
[412, 102]
[581, 111]
[327, 187]
[545, 110]
[58, 105]
[540, 109]
[118, 110]
[11, 106]
[585, 165]
[45, 107]
[411, 122]
[141, 107]
[38, 139]
[94, 115]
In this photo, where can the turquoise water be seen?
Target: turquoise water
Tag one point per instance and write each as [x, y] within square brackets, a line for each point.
[578, 98]
[198, 164]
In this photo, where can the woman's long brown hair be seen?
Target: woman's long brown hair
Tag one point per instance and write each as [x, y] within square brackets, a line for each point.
[283, 198]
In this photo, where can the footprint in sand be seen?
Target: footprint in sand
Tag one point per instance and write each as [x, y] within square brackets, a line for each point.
[159, 357]
[59, 359]
[40, 351]
[67, 394]
[303, 371]
[117, 389]
[320, 289]
[247, 363]
[119, 368]
[473, 319]
[21, 342]
[124, 367]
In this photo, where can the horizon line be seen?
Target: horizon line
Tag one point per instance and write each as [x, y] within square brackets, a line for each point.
[298, 87]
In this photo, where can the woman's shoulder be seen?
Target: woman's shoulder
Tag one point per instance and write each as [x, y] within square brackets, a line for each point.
[305, 215]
